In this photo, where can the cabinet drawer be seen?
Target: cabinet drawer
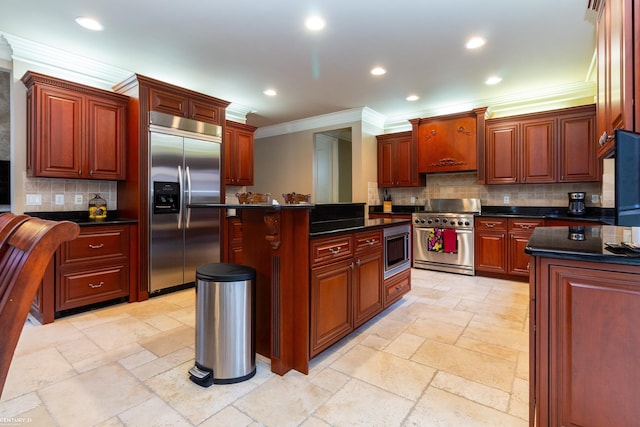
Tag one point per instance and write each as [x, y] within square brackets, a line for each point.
[525, 224]
[396, 286]
[368, 240]
[331, 249]
[491, 224]
[96, 243]
[81, 288]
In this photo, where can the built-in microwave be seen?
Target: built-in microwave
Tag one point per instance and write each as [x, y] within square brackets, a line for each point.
[397, 249]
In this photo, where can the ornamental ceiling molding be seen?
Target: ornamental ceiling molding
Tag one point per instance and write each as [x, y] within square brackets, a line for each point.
[339, 118]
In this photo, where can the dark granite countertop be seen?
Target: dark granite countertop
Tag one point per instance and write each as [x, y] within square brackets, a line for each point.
[603, 215]
[368, 224]
[82, 218]
[587, 243]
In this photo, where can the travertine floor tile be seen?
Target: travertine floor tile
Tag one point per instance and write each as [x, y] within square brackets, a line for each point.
[361, 404]
[152, 412]
[72, 402]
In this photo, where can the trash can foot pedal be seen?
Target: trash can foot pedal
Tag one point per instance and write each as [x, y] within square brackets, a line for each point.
[201, 376]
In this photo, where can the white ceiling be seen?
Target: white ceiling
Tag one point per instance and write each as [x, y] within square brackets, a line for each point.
[235, 49]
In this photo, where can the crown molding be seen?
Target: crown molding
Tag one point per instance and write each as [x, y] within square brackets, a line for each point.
[102, 75]
[359, 114]
[237, 113]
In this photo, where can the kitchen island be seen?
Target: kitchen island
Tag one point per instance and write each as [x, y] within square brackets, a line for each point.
[277, 241]
[584, 334]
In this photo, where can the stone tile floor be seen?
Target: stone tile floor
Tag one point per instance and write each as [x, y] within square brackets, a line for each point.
[453, 352]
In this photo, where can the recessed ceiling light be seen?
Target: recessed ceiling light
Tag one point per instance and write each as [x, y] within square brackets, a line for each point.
[89, 23]
[270, 92]
[315, 23]
[493, 80]
[475, 42]
[378, 71]
[413, 98]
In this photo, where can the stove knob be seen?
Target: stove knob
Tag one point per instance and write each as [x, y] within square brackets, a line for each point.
[422, 220]
[466, 223]
[444, 220]
[429, 222]
[437, 220]
[417, 221]
[459, 222]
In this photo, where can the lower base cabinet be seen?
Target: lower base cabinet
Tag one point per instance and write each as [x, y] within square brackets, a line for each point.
[93, 268]
[585, 343]
[347, 285]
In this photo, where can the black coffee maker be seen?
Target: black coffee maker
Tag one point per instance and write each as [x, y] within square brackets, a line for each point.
[576, 202]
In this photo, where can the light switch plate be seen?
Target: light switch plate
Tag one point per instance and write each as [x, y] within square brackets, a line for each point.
[506, 199]
[78, 199]
[59, 199]
[34, 199]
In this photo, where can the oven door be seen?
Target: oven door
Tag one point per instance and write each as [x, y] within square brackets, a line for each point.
[431, 256]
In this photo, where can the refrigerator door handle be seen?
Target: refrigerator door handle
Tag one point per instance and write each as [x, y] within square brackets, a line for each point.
[188, 173]
[181, 184]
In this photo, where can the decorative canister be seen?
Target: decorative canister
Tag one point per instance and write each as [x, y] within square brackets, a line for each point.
[97, 208]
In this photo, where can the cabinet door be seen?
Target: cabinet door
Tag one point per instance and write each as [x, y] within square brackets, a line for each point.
[367, 286]
[447, 145]
[385, 164]
[331, 304]
[518, 259]
[244, 158]
[490, 251]
[106, 139]
[538, 151]
[403, 162]
[204, 112]
[594, 346]
[396, 286]
[577, 152]
[502, 153]
[168, 102]
[60, 132]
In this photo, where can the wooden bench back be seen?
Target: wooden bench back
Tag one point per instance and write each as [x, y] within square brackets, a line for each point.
[24, 255]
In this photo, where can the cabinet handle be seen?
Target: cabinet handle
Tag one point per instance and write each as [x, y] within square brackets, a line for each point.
[525, 226]
[79, 171]
[605, 138]
[358, 262]
[351, 265]
[490, 224]
[91, 172]
[398, 287]
[372, 242]
[95, 286]
[96, 246]
[336, 250]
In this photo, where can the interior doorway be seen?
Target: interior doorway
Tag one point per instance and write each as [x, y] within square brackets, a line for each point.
[332, 177]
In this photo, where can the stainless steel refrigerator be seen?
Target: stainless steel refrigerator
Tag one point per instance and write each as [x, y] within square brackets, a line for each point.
[185, 180]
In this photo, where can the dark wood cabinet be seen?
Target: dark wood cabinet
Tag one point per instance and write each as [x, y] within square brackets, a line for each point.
[95, 267]
[184, 103]
[615, 40]
[238, 154]
[74, 131]
[548, 147]
[584, 343]
[500, 243]
[232, 243]
[346, 285]
[396, 286]
[397, 161]
[449, 143]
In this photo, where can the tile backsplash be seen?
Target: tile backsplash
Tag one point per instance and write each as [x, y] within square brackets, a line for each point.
[463, 185]
[48, 188]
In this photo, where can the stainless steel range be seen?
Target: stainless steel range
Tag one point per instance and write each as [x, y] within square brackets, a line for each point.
[443, 235]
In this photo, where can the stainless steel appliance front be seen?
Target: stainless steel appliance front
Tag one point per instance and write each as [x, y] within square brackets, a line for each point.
[184, 231]
[443, 236]
[397, 249]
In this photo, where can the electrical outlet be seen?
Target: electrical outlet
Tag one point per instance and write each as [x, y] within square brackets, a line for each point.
[34, 199]
[595, 198]
[78, 199]
[59, 199]
[413, 200]
[506, 200]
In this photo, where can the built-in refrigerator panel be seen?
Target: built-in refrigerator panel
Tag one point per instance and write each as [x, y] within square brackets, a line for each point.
[202, 186]
[184, 233]
[166, 251]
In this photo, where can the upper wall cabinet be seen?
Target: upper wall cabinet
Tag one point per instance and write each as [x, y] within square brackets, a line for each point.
[554, 146]
[74, 131]
[238, 153]
[615, 51]
[184, 103]
[449, 143]
[397, 161]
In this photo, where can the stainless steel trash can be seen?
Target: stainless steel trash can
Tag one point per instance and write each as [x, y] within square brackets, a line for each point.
[225, 324]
